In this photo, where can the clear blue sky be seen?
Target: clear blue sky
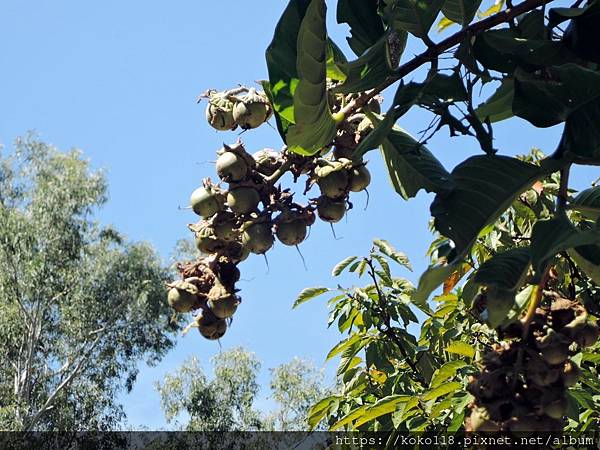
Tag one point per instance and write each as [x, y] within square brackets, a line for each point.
[119, 80]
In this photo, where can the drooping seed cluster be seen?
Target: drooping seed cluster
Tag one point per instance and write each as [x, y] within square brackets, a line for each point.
[247, 210]
[522, 384]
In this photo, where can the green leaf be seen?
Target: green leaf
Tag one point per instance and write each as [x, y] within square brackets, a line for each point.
[505, 49]
[411, 166]
[495, 8]
[308, 294]
[587, 257]
[387, 249]
[582, 36]
[314, 127]
[461, 11]
[281, 64]
[550, 237]
[350, 417]
[320, 410]
[414, 16]
[588, 203]
[484, 187]
[461, 348]
[341, 266]
[335, 60]
[343, 345]
[365, 23]
[499, 106]
[431, 279]
[371, 69]
[581, 136]
[447, 371]
[442, 390]
[499, 303]
[550, 99]
[382, 407]
[505, 270]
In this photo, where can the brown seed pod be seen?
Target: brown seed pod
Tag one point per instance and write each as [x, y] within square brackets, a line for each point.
[571, 374]
[209, 326]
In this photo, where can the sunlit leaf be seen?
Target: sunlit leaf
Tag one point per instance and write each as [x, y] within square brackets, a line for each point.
[461, 348]
[308, 294]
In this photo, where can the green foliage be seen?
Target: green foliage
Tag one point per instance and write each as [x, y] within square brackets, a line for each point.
[226, 402]
[81, 307]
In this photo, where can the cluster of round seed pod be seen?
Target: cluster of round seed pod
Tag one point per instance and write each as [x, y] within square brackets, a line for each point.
[243, 107]
[246, 211]
[523, 381]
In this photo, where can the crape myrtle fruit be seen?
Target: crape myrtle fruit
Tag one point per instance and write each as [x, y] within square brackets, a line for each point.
[523, 381]
[247, 210]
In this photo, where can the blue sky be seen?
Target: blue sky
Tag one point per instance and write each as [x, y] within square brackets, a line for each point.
[119, 80]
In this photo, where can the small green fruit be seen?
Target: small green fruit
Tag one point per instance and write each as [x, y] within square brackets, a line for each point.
[243, 200]
[206, 202]
[330, 210]
[252, 110]
[181, 300]
[231, 167]
[360, 178]
[219, 112]
[224, 307]
[210, 327]
[291, 233]
[335, 184]
[258, 238]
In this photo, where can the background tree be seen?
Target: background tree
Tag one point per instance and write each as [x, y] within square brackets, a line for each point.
[295, 387]
[80, 307]
[226, 402]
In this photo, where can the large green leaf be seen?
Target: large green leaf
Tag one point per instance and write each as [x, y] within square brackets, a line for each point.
[583, 34]
[308, 294]
[314, 127]
[588, 202]
[499, 106]
[447, 371]
[281, 63]
[414, 16]
[380, 408]
[505, 270]
[461, 348]
[587, 257]
[411, 166]
[550, 99]
[461, 11]
[441, 390]
[581, 136]
[372, 68]
[484, 187]
[321, 409]
[550, 237]
[431, 279]
[387, 249]
[505, 49]
[365, 23]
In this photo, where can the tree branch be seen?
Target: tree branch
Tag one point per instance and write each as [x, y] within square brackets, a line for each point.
[435, 50]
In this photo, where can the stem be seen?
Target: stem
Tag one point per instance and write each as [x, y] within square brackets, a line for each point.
[279, 172]
[535, 302]
[435, 50]
[563, 190]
